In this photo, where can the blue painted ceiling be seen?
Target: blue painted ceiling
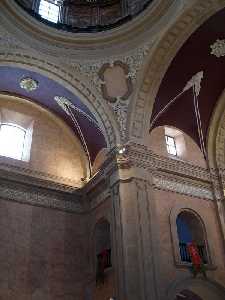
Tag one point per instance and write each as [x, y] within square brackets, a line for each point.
[44, 95]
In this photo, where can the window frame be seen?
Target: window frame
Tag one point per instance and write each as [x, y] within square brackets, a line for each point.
[44, 6]
[168, 145]
[14, 125]
[175, 239]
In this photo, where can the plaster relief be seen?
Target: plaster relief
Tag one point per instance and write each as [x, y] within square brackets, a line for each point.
[116, 83]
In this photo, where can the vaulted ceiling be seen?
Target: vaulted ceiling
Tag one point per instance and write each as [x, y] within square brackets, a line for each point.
[44, 95]
[195, 55]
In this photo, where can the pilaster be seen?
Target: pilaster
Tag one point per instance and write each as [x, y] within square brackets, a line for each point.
[134, 233]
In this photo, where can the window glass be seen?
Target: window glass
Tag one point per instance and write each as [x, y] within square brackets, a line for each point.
[171, 145]
[49, 11]
[12, 139]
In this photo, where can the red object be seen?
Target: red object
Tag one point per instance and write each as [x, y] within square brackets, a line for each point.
[103, 260]
[194, 254]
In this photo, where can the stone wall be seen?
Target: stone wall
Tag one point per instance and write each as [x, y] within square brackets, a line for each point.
[43, 253]
[188, 149]
[55, 150]
[166, 203]
[106, 290]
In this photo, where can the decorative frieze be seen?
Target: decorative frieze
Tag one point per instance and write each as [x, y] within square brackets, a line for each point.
[28, 194]
[22, 174]
[142, 157]
[182, 187]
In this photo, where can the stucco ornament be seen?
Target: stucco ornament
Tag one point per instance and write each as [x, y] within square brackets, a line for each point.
[63, 102]
[28, 84]
[68, 107]
[218, 48]
[134, 61]
[195, 82]
[115, 81]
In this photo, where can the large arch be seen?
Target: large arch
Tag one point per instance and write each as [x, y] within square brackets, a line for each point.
[160, 59]
[205, 289]
[216, 136]
[72, 82]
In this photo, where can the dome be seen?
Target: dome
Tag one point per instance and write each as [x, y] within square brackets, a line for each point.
[84, 15]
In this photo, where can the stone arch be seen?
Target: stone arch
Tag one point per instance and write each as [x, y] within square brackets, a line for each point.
[74, 83]
[159, 61]
[216, 157]
[173, 227]
[205, 289]
[216, 136]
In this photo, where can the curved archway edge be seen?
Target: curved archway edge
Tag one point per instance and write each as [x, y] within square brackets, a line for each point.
[74, 84]
[206, 289]
[160, 60]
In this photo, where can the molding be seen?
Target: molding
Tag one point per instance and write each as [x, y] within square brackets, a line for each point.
[65, 76]
[181, 186]
[142, 157]
[167, 173]
[60, 43]
[22, 174]
[37, 196]
[19, 184]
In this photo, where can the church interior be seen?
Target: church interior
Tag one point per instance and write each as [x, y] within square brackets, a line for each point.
[112, 150]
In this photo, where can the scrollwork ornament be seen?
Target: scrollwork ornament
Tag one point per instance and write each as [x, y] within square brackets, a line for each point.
[218, 48]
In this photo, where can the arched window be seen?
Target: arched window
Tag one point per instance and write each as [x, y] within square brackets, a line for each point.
[190, 231]
[12, 140]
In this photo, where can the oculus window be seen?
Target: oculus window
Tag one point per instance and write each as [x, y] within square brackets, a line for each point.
[171, 145]
[49, 10]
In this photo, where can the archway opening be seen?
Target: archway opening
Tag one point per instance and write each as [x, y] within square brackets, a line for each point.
[190, 231]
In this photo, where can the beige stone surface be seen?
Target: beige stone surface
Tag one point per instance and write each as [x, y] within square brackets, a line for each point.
[55, 150]
[165, 203]
[187, 149]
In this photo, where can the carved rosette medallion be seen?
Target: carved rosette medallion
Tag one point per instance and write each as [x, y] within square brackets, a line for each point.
[218, 48]
[116, 83]
[28, 84]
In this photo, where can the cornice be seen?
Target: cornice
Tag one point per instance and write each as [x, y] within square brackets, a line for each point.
[142, 157]
[166, 182]
[163, 174]
[32, 194]
[51, 41]
[26, 175]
